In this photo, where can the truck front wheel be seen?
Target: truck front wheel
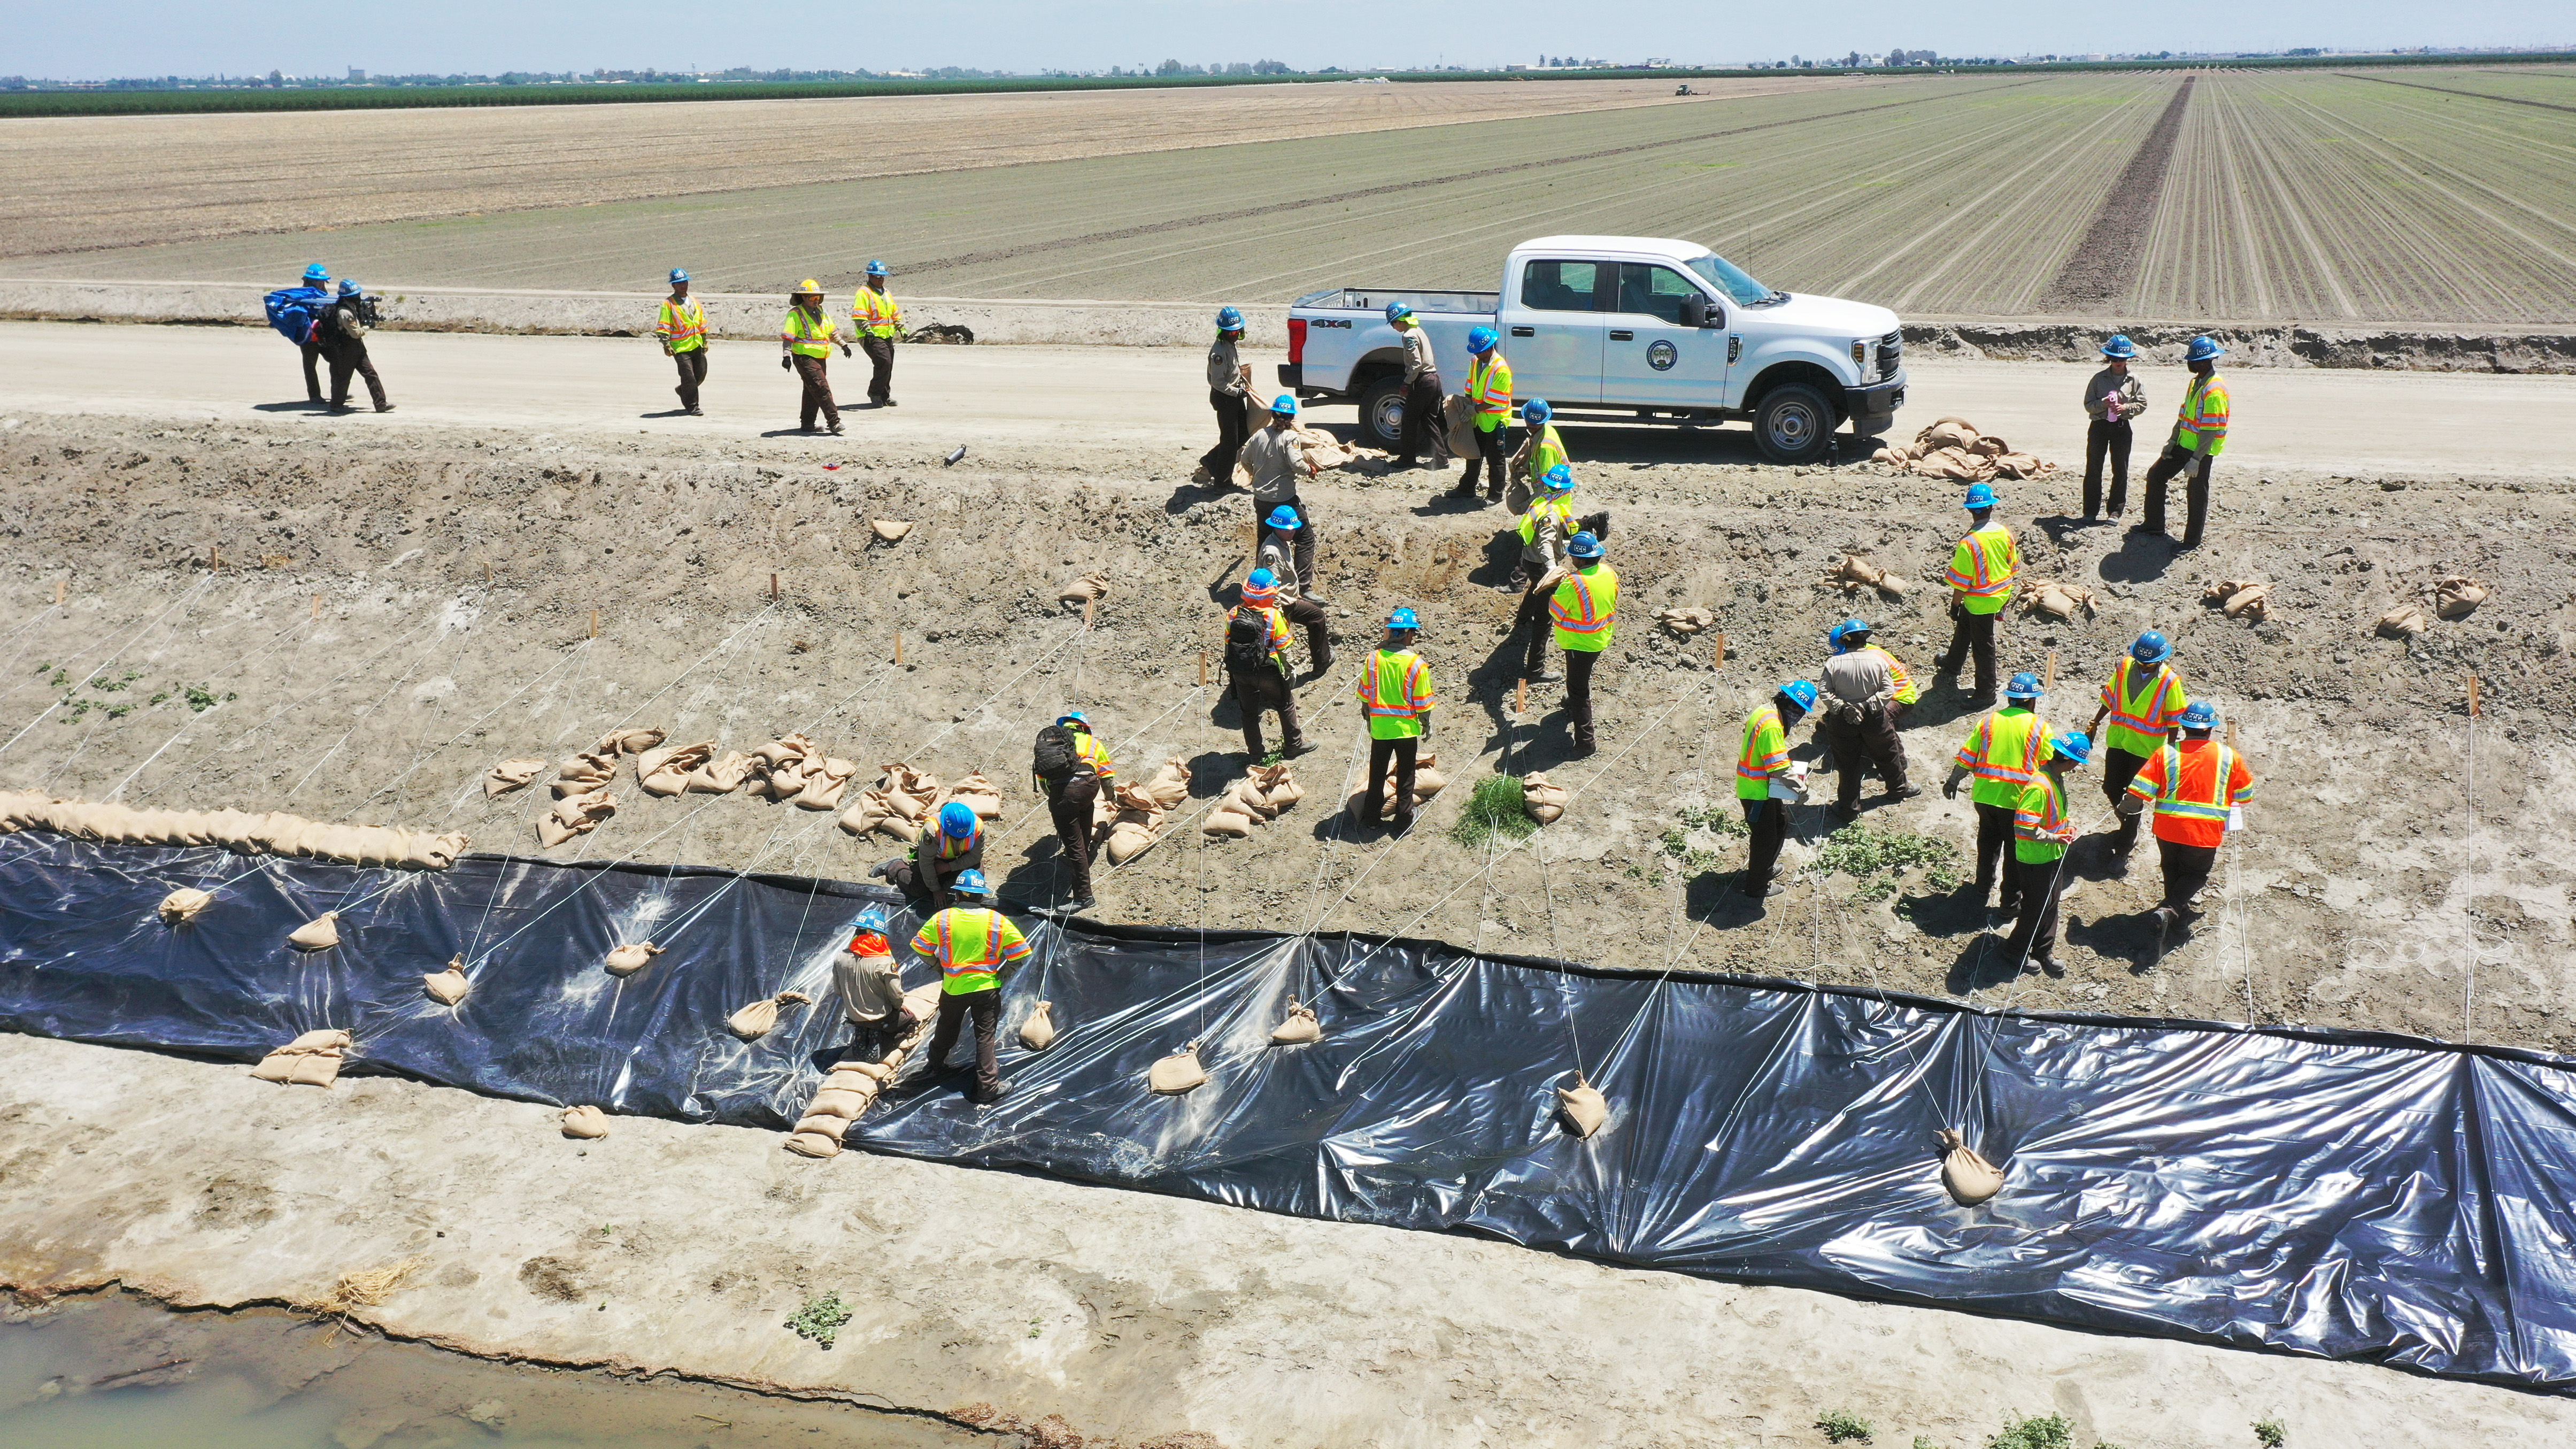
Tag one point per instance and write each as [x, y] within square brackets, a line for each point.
[1382, 413]
[1793, 424]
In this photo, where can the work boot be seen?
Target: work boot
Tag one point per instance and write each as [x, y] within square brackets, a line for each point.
[1545, 675]
[2049, 965]
[1403, 463]
[1765, 890]
[1403, 822]
[1464, 490]
[1904, 792]
[1294, 748]
[697, 412]
[836, 430]
[385, 408]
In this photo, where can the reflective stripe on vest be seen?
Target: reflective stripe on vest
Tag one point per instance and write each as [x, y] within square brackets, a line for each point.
[875, 312]
[807, 336]
[1904, 682]
[1546, 453]
[1563, 510]
[969, 945]
[1388, 689]
[1750, 766]
[2171, 800]
[1595, 598]
[2049, 824]
[686, 322]
[1095, 753]
[950, 848]
[1987, 767]
[2147, 716]
[1984, 582]
[2202, 424]
[1489, 383]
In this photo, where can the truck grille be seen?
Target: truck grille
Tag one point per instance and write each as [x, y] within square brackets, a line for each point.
[1891, 355]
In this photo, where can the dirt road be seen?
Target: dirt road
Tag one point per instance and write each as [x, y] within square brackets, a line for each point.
[2328, 421]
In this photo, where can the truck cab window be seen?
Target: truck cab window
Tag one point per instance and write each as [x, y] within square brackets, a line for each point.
[1654, 291]
[1560, 286]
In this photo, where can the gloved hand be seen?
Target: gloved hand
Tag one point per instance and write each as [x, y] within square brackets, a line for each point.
[1950, 788]
[845, 349]
[786, 363]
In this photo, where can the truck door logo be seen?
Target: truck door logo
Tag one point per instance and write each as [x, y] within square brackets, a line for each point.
[1661, 356]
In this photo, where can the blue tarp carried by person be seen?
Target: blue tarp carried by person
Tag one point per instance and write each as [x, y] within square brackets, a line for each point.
[296, 312]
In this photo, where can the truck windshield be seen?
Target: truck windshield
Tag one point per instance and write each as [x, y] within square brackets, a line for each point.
[1731, 279]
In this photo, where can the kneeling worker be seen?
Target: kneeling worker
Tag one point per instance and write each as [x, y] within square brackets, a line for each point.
[943, 855]
[1762, 777]
[2196, 787]
[1585, 611]
[2041, 833]
[1396, 699]
[971, 943]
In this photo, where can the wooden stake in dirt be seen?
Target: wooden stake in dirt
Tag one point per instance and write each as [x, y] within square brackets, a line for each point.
[214, 557]
[1520, 697]
[317, 606]
[1087, 606]
[898, 648]
[1720, 661]
[2473, 696]
[2049, 680]
[1203, 677]
[594, 623]
[487, 573]
[61, 587]
[773, 588]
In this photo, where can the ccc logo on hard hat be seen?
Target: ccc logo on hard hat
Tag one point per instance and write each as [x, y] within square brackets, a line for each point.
[1661, 356]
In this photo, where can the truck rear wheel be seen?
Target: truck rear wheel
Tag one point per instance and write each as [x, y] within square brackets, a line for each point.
[1382, 413]
[1793, 424]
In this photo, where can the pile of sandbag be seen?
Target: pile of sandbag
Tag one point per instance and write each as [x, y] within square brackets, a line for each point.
[974, 792]
[2240, 598]
[311, 1060]
[1544, 800]
[665, 769]
[270, 833]
[898, 805]
[1133, 813]
[1254, 800]
[790, 768]
[1855, 573]
[1953, 448]
[1427, 782]
[851, 1085]
[2054, 599]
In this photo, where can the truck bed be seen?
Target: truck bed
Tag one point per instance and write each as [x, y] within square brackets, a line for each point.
[1374, 299]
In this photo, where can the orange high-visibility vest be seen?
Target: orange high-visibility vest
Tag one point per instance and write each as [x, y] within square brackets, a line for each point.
[2194, 785]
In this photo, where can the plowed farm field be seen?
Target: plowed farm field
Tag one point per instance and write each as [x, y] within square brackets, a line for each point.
[2421, 197]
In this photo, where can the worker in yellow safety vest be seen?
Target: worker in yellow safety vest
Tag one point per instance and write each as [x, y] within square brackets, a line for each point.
[2144, 701]
[1766, 783]
[951, 845]
[1396, 699]
[1541, 449]
[2002, 753]
[1489, 391]
[1544, 528]
[2041, 833]
[878, 321]
[1983, 566]
[805, 343]
[683, 330]
[1585, 610]
[2198, 788]
[1073, 771]
[2199, 436]
[971, 943]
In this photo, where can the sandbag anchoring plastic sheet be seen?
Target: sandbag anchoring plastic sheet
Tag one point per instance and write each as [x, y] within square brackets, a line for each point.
[2350, 1194]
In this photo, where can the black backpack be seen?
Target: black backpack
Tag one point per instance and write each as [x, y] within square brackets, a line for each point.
[1247, 641]
[1055, 754]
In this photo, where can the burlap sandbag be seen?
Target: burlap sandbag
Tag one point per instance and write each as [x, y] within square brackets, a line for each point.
[447, 987]
[1177, 1073]
[1170, 784]
[782, 749]
[831, 1127]
[587, 1123]
[845, 1103]
[574, 815]
[665, 769]
[897, 828]
[182, 905]
[1458, 417]
[320, 1069]
[2458, 596]
[1688, 621]
[1127, 840]
[860, 1067]
[319, 934]
[435, 852]
[628, 959]
[1081, 591]
[908, 790]
[1245, 797]
[584, 773]
[824, 782]
[1038, 1032]
[1582, 1106]
[311, 1060]
[889, 530]
[720, 777]
[1971, 1179]
[2403, 622]
[1947, 433]
[758, 1019]
[1278, 787]
[1545, 801]
[979, 794]
[511, 775]
[1300, 1026]
[627, 742]
[1229, 823]
[813, 1144]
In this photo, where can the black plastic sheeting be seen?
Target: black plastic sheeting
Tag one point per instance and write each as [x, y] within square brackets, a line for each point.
[2354, 1195]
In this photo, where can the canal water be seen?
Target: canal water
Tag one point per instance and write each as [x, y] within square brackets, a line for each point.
[109, 1371]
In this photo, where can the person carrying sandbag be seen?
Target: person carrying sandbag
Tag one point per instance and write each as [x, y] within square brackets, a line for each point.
[1489, 391]
[1983, 566]
[1072, 768]
[805, 343]
[1544, 528]
[939, 859]
[2111, 398]
[342, 336]
[1396, 699]
[1256, 661]
[1423, 428]
[2199, 436]
[1287, 549]
[2041, 833]
[2198, 788]
[1584, 611]
[971, 943]
[2002, 753]
[1271, 456]
[1865, 688]
[2144, 700]
[1765, 784]
[1541, 450]
[1228, 381]
[682, 326]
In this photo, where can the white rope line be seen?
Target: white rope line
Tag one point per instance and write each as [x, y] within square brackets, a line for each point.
[1195, 691]
[285, 709]
[360, 717]
[92, 671]
[478, 723]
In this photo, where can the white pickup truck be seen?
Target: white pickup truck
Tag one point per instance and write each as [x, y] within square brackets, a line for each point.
[1621, 329]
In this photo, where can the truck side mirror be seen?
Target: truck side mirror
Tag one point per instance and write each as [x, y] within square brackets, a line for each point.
[1694, 311]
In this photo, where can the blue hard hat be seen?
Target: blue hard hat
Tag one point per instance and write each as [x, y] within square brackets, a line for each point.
[1403, 619]
[1557, 479]
[1482, 340]
[1536, 410]
[2072, 746]
[2119, 346]
[2204, 349]
[1229, 318]
[1583, 545]
[317, 273]
[876, 269]
[1834, 640]
[2200, 714]
[1801, 692]
[957, 820]
[1981, 495]
[679, 274]
[971, 883]
[1262, 579]
[1284, 405]
[1283, 516]
[1074, 719]
[1395, 312]
[2152, 648]
[349, 288]
[2024, 685]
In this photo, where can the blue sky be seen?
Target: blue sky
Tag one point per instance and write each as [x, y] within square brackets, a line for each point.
[153, 37]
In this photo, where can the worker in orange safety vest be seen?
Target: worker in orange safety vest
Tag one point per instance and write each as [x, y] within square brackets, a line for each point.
[2198, 789]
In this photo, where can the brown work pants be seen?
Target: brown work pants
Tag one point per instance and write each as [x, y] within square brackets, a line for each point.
[1873, 740]
[1264, 689]
[1400, 755]
[2195, 470]
[986, 1008]
[354, 360]
[880, 351]
[693, 374]
[818, 393]
[1071, 808]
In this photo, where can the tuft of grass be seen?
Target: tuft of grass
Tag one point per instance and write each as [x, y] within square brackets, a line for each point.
[821, 1318]
[1841, 1426]
[1876, 857]
[2270, 1433]
[2052, 1432]
[1493, 807]
[1924, 1441]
